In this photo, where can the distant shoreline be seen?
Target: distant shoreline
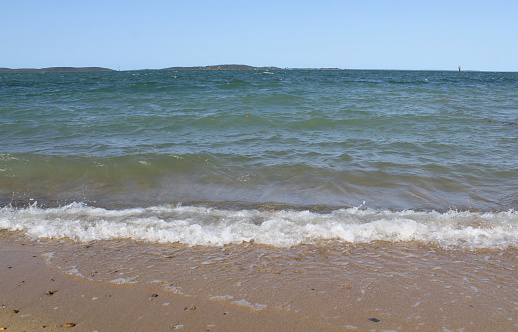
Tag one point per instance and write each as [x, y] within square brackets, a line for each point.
[94, 69]
[211, 67]
[241, 67]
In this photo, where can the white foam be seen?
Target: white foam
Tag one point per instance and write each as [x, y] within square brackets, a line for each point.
[174, 289]
[221, 298]
[282, 228]
[253, 306]
[75, 272]
[121, 281]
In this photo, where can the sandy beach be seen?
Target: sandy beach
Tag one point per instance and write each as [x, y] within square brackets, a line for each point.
[37, 298]
[45, 286]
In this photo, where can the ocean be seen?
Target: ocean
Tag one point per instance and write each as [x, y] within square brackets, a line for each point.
[288, 179]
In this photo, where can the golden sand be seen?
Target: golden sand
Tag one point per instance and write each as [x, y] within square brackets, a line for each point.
[128, 286]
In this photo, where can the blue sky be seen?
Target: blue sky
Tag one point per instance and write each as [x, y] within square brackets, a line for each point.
[362, 34]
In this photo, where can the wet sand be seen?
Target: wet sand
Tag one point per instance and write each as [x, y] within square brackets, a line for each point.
[128, 286]
[38, 298]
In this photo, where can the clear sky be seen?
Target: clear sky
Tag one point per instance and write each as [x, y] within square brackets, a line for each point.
[360, 34]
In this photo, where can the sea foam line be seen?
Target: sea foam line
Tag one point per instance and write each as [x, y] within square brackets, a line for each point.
[193, 226]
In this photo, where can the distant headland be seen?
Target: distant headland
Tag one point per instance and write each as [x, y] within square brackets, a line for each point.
[94, 69]
[240, 67]
[53, 70]
[222, 67]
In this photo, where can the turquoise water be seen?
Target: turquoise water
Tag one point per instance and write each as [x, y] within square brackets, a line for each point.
[287, 140]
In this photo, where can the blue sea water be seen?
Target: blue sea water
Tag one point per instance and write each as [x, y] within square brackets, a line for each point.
[281, 158]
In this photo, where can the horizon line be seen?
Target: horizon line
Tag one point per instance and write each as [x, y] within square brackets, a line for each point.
[210, 67]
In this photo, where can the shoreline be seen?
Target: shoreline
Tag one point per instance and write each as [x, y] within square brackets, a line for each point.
[133, 286]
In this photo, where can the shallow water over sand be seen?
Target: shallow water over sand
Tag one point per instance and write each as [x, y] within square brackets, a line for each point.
[404, 286]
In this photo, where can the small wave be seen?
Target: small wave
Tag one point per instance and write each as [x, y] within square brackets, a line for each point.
[193, 225]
